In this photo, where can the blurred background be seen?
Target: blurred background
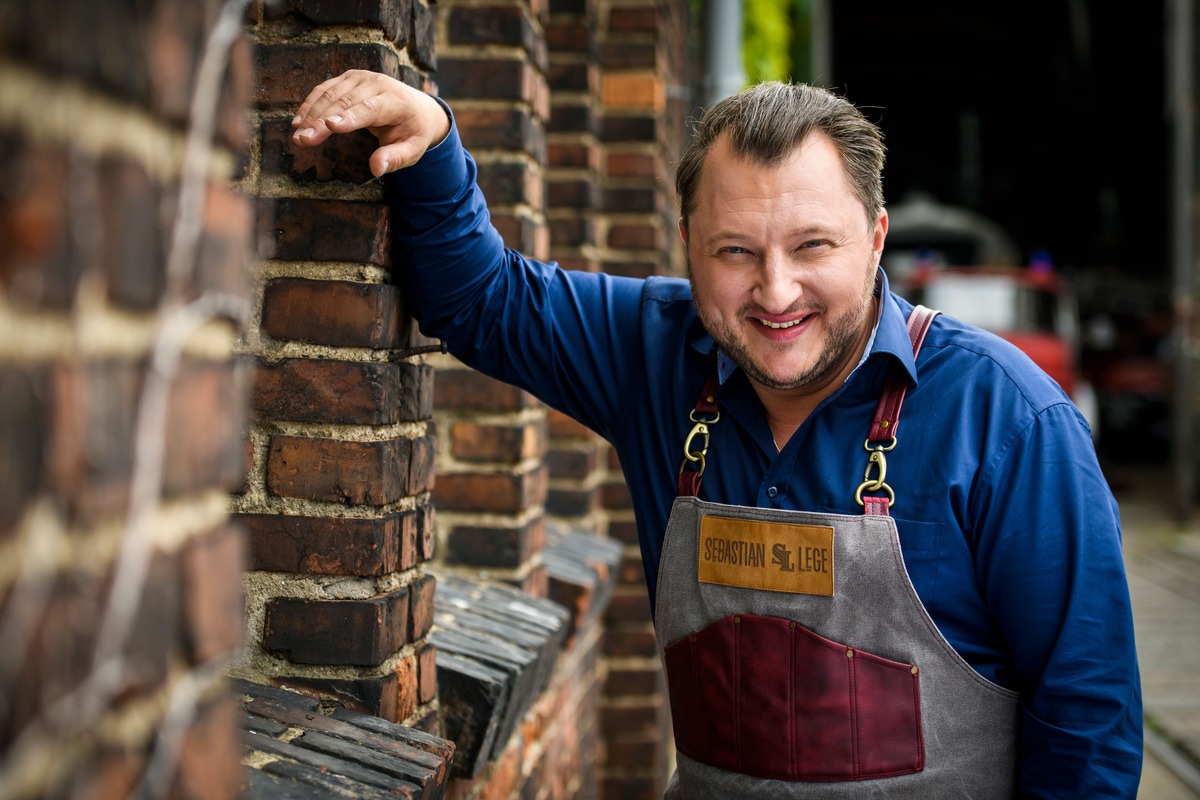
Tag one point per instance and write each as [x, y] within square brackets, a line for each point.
[1047, 142]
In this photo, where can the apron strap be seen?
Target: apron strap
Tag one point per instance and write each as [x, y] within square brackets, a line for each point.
[882, 437]
[691, 470]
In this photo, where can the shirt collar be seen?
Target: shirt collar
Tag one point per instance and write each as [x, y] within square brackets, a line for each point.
[890, 336]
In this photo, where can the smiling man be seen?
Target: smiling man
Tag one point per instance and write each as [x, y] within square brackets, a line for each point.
[951, 621]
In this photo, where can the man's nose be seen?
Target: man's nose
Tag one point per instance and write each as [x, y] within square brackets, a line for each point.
[778, 286]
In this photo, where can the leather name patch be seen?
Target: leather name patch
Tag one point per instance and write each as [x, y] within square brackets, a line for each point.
[774, 556]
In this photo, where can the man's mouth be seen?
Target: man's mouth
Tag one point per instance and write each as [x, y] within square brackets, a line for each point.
[779, 326]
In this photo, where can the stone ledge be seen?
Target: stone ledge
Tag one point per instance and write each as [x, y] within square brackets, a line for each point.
[295, 750]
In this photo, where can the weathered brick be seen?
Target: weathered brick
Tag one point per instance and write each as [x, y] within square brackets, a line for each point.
[133, 255]
[577, 193]
[424, 40]
[340, 313]
[337, 471]
[633, 90]
[406, 687]
[416, 391]
[24, 438]
[571, 232]
[517, 229]
[421, 599]
[210, 755]
[574, 77]
[626, 642]
[484, 25]
[570, 501]
[486, 79]
[500, 128]
[372, 694]
[426, 674]
[511, 183]
[340, 158]
[286, 73]
[467, 390]
[494, 546]
[570, 36]
[393, 17]
[632, 199]
[329, 230]
[205, 427]
[500, 493]
[631, 720]
[622, 54]
[624, 787]
[213, 601]
[616, 495]
[628, 681]
[327, 390]
[324, 545]
[627, 126]
[577, 118]
[354, 632]
[633, 19]
[632, 164]
[509, 444]
[573, 154]
[573, 463]
[636, 236]
[421, 464]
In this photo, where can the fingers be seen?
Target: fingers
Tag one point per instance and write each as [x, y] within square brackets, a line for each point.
[392, 157]
[346, 103]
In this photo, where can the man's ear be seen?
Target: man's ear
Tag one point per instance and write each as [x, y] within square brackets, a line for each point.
[881, 228]
[683, 229]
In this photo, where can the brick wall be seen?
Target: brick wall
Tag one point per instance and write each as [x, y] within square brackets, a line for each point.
[123, 266]
[341, 443]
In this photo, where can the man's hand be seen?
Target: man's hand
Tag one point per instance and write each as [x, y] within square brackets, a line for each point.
[406, 121]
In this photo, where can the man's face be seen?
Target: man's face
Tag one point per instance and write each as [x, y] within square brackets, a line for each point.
[782, 261]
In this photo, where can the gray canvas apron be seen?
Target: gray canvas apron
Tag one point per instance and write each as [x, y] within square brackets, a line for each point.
[801, 663]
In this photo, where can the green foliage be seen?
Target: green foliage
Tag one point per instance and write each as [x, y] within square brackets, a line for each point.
[767, 30]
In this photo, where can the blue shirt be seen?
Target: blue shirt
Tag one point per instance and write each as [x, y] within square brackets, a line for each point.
[1009, 531]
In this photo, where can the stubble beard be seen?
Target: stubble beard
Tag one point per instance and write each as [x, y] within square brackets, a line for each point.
[842, 338]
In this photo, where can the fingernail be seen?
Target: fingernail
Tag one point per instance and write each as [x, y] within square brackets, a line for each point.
[383, 169]
[304, 133]
[336, 118]
[296, 119]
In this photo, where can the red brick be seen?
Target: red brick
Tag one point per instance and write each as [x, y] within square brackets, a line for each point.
[286, 73]
[633, 165]
[572, 155]
[636, 236]
[339, 313]
[500, 128]
[340, 158]
[353, 632]
[23, 441]
[500, 493]
[487, 79]
[407, 689]
[205, 425]
[633, 19]
[426, 674]
[489, 25]
[509, 444]
[213, 601]
[421, 595]
[623, 682]
[222, 263]
[371, 694]
[573, 463]
[616, 495]
[631, 720]
[493, 546]
[416, 392]
[210, 755]
[393, 17]
[629, 606]
[570, 36]
[323, 545]
[327, 390]
[462, 390]
[133, 254]
[625, 642]
[337, 471]
[564, 427]
[620, 787]
[307, 229]
[421, 463]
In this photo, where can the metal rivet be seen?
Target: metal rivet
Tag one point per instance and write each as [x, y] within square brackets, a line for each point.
[693, 637]
[914, 670]
[737, 620]
[849, 654]
[709, 399]
[792, 625]
[883, 423]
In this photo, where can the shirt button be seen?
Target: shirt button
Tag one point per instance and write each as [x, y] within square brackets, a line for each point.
[772, 491]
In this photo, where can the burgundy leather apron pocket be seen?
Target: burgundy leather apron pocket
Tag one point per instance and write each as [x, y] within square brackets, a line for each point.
[767, 697]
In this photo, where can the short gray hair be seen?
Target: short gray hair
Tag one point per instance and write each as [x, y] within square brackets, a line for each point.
[766, 122]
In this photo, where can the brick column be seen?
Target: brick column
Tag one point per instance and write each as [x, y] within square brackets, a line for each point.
[491, 488]
[122, 287]
[643, 106]
[342, 445]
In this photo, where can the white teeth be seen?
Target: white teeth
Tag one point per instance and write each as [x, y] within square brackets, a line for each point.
[781, 325]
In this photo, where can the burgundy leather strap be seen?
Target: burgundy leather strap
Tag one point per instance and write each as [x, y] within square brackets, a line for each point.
[691, 473]
[887, 413]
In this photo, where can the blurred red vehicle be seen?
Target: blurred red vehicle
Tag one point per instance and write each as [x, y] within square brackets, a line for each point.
[1030, 307]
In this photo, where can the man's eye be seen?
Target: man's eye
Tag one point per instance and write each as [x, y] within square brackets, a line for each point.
[814, 243]
[734, 251]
